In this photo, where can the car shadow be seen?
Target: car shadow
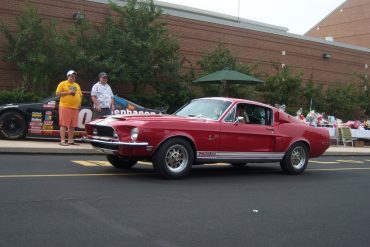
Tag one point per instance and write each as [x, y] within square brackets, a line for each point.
[147, 172]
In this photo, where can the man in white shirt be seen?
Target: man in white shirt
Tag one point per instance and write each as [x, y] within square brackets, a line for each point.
[102, 97]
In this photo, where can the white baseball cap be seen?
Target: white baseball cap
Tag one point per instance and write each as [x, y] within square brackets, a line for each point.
[71, 72]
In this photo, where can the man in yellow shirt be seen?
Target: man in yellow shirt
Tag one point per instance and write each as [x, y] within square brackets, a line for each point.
[69, 105]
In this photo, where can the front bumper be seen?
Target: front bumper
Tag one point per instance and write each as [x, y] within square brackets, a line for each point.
[117, 147]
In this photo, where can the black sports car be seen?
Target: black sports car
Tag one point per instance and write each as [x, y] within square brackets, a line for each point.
[41, 120]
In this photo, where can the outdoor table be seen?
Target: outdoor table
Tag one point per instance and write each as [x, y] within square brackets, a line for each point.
[356, 133]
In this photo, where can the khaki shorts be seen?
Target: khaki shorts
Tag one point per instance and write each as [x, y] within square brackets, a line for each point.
[68, 117]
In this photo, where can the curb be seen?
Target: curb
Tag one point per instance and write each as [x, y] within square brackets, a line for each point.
[49, 151]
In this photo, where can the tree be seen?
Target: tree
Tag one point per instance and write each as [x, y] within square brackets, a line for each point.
[133, 45]
[342, 101]
[218, 59]
[37, 49]
[283, 88]
[364, 97]
[313, 93]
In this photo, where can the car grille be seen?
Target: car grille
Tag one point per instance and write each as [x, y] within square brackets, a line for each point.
[103, 131]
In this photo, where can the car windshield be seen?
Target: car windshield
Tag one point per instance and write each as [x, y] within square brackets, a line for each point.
[204, 108]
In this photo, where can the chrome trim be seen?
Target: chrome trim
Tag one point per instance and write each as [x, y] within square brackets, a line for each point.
[104, 138]
[120, 143]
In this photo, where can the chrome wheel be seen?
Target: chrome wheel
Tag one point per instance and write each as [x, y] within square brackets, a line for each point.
[298, 157]
[295, 159]
[176, 158]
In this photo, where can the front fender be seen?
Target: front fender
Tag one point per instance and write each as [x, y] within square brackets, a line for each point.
[180, 134]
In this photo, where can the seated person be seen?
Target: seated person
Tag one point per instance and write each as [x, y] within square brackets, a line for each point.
[240, 112]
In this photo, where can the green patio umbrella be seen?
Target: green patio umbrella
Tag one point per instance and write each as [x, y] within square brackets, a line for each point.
[228, 76]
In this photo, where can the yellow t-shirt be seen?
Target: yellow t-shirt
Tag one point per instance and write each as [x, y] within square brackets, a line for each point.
[70, 101]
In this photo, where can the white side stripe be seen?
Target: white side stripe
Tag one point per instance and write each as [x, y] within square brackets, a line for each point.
[238, 155]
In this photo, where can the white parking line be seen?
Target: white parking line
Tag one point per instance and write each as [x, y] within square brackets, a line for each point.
[323, 162]
[351, 161]
[340, 169]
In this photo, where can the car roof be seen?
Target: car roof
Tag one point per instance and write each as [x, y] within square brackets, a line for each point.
[237, 100]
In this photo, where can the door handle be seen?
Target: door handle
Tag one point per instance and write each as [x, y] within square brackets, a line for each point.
[270, 129]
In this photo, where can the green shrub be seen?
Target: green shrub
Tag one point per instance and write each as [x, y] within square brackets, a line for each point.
[17, 95]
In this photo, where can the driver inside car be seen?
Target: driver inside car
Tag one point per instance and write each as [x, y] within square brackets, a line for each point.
[240, 112]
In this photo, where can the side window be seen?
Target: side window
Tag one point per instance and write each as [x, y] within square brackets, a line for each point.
[259, 115]
[230, 117]
[253, 114]
[238, 111]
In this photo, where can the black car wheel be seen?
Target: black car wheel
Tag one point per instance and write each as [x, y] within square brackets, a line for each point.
[12, 125]
[174, 158]
[121, 162]
[295, 160]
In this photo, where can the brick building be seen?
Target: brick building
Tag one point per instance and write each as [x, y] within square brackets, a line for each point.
[349, 23]
[329, 62]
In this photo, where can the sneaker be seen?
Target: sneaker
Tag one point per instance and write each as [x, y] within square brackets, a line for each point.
[63, 144]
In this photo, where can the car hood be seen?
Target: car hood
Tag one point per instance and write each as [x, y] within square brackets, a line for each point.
[9, 106]
[137, 119]
[16, 105]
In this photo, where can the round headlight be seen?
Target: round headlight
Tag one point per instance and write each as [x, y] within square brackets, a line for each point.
[134, 134]
[115, 135]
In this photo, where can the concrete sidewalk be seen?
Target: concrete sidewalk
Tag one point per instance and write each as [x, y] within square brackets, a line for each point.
[32, 146]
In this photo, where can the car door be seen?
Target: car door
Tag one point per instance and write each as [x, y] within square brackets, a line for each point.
[256, 134]
[43, 117]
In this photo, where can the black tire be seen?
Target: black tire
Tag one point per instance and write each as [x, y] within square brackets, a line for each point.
[174, 158]
[121, 162]
[13, 125]
[295, 160]
[238, 165]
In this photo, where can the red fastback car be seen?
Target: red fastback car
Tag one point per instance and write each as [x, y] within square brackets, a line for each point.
[208, 130]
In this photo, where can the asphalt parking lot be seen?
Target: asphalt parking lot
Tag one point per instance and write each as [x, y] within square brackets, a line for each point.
[80, 200]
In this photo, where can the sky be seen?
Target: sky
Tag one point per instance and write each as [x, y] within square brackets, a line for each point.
[298, 16]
